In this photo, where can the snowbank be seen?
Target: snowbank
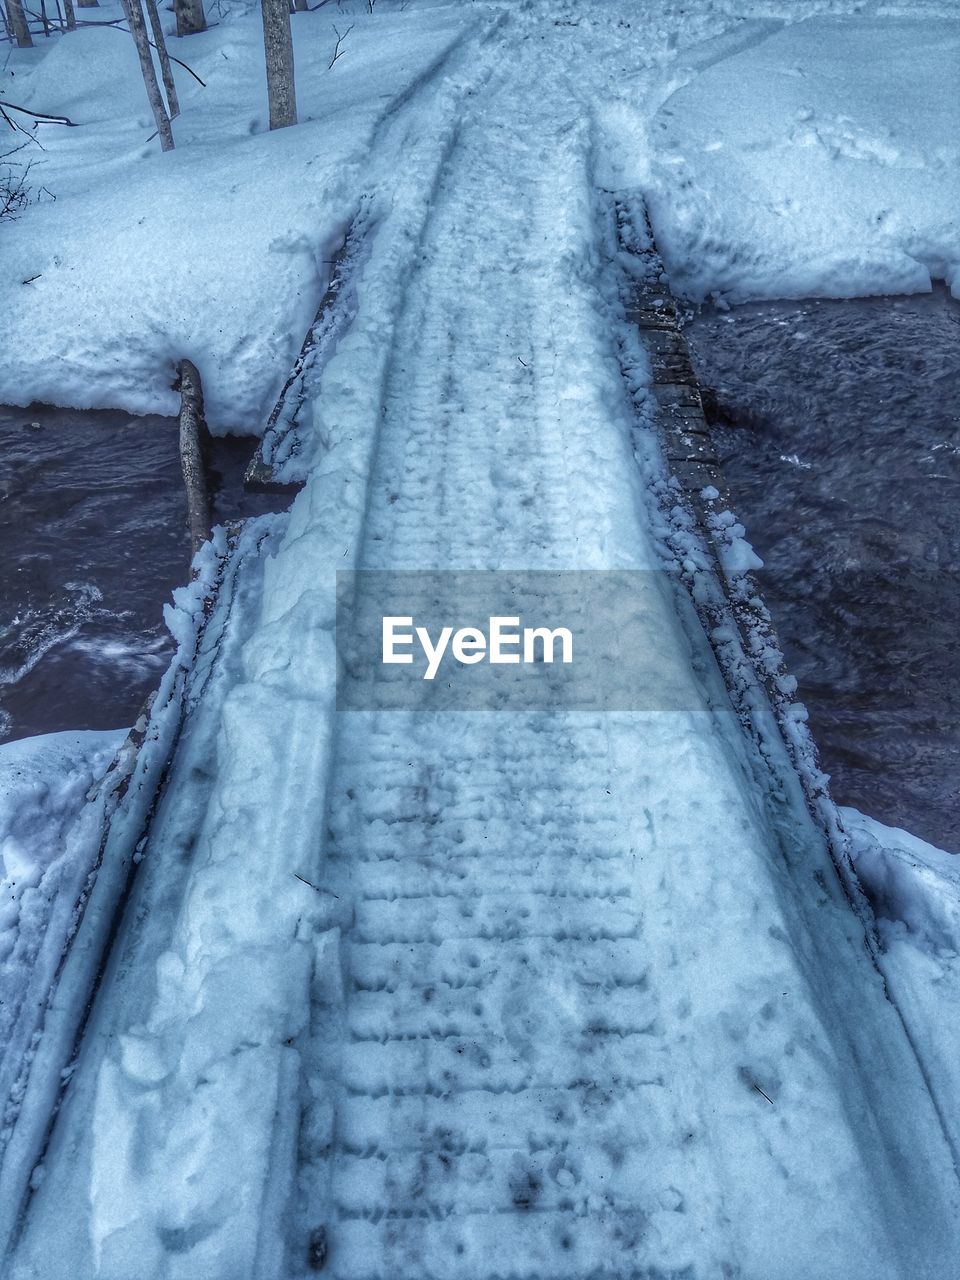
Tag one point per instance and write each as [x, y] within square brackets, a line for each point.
[216, 251]
[909, 881]
[44, 783]
[820, 159]
[915, 892]
[824, 160]
[84, 829]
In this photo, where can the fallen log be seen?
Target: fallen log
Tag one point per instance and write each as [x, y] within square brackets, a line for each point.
[192, 424]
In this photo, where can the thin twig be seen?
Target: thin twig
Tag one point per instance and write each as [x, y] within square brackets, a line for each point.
[17, 128]
[202, 83]
[338, 52]
[314, 887]
[40, 116]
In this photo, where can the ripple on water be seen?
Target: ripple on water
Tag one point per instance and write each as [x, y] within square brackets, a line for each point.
[839, 426]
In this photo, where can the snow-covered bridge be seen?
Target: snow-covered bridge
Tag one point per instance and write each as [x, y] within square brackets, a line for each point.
[397, 995]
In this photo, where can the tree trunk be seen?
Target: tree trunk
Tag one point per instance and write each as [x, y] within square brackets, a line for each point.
[278, 48]
[18, 24]
[165, 69]
[70, 15]
[138, 29]
[190, 17]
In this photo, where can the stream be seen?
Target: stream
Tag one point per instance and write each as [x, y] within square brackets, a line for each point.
[94, 537]
[838, 425]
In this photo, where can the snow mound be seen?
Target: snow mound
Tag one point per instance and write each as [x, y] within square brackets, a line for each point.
[915, 892]
[823, 161]
[217, 251]
[908, 881]
[44, 783]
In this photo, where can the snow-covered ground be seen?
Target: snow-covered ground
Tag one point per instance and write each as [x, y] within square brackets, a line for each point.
[46, 846]
[823, 160]
[476, 995]
[217, 251]
[778, 165]
[52, 820]
[915, 892]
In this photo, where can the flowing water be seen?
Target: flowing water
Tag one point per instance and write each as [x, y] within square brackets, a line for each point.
[838, 423]
[94, 538]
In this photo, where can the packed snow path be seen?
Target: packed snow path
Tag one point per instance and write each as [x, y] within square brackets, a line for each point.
[568, 994]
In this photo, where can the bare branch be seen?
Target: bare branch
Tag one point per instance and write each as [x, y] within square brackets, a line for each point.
[338, 50]
[14, 192]
[40, 116]
[189, 70]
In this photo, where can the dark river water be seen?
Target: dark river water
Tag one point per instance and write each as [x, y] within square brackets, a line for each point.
[94, 539]
[839, 427]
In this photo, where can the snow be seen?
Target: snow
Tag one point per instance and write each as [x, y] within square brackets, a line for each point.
[216, 251]
[909, 881]
[821, 161]
[915, 891]
[735, 552]
[44, 783]
[783, 168]
[51, 828]
[475, 994]
[47, 984]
